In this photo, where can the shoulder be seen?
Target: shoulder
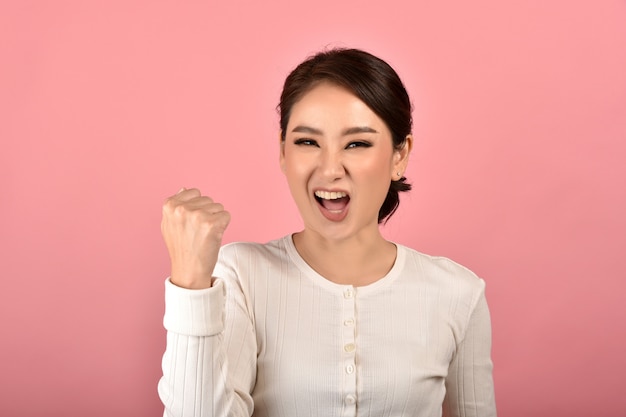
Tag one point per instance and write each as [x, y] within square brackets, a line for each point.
[440, 265]
[455, 290]
[253, 249]
[237, 255]
[444, 273]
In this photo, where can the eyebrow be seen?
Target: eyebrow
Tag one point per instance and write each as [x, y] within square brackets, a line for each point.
[348, 131]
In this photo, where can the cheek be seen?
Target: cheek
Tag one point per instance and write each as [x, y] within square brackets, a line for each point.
[297, 177]
[376, 173]
[378, 168]
[298, 165]
[295, 172]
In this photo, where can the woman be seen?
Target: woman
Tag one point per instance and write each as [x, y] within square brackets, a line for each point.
[333, 320]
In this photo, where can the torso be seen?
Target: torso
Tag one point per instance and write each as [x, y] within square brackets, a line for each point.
[327, 350]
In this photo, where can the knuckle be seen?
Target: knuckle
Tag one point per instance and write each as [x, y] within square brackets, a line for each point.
[196, 216]
[168, 201]
[179, 210]
[168, 205]
[222, 220]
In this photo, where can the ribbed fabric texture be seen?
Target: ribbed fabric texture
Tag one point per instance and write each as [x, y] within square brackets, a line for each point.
[272, 338]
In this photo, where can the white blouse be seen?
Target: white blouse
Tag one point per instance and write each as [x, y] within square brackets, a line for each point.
[274, 338]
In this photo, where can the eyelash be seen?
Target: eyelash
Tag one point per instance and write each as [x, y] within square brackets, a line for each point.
[305, 142]
[359, 144]
[351, 145]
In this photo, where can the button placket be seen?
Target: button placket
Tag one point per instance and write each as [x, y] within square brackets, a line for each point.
[348, 321]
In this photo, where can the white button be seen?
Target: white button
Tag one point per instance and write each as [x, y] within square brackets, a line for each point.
[350, 400]
[348, 322]
[348, 293]
[349, 347]
[350, 369]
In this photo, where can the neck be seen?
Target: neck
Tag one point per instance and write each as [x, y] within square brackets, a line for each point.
[357, 260]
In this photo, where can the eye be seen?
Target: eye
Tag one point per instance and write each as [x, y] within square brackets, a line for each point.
[305, 142]
[358, 144]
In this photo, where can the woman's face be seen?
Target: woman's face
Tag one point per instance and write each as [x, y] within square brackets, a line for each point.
[339, 161]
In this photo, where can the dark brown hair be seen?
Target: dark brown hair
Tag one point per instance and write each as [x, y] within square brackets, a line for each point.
[369, 78]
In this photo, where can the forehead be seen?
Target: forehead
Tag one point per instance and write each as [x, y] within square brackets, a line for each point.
[328, 105]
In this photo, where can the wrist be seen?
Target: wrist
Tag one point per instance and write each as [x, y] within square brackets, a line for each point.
[193, 280]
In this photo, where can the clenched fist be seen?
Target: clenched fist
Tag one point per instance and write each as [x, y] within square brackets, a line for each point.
[192, 227]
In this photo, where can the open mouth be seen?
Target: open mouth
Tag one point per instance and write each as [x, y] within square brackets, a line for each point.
[333, 201]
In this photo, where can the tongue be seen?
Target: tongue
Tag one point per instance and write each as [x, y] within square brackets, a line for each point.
[336, 204]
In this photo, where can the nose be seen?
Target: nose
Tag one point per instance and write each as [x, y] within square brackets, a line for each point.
[331, 165]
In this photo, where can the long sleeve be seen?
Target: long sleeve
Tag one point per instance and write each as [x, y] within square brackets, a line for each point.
[209, 365]
[469, 384]
[273, 338]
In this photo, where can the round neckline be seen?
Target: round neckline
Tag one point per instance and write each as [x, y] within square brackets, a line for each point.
[312, 274]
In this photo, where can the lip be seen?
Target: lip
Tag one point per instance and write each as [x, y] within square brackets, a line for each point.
[330, 190]
[332, 215]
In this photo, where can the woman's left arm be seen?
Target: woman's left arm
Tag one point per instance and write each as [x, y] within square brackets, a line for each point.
[469, 384]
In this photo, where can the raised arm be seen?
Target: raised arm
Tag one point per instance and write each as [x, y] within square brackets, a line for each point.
[209, 365]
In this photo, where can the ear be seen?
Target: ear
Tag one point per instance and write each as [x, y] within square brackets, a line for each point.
[401, 157]
[281, 156]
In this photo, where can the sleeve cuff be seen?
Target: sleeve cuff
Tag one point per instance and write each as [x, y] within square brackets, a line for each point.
[194, 312]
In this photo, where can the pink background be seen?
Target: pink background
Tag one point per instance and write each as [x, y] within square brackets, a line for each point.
[518, 172]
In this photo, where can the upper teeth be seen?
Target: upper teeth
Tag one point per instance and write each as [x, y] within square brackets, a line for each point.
[330, 195]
